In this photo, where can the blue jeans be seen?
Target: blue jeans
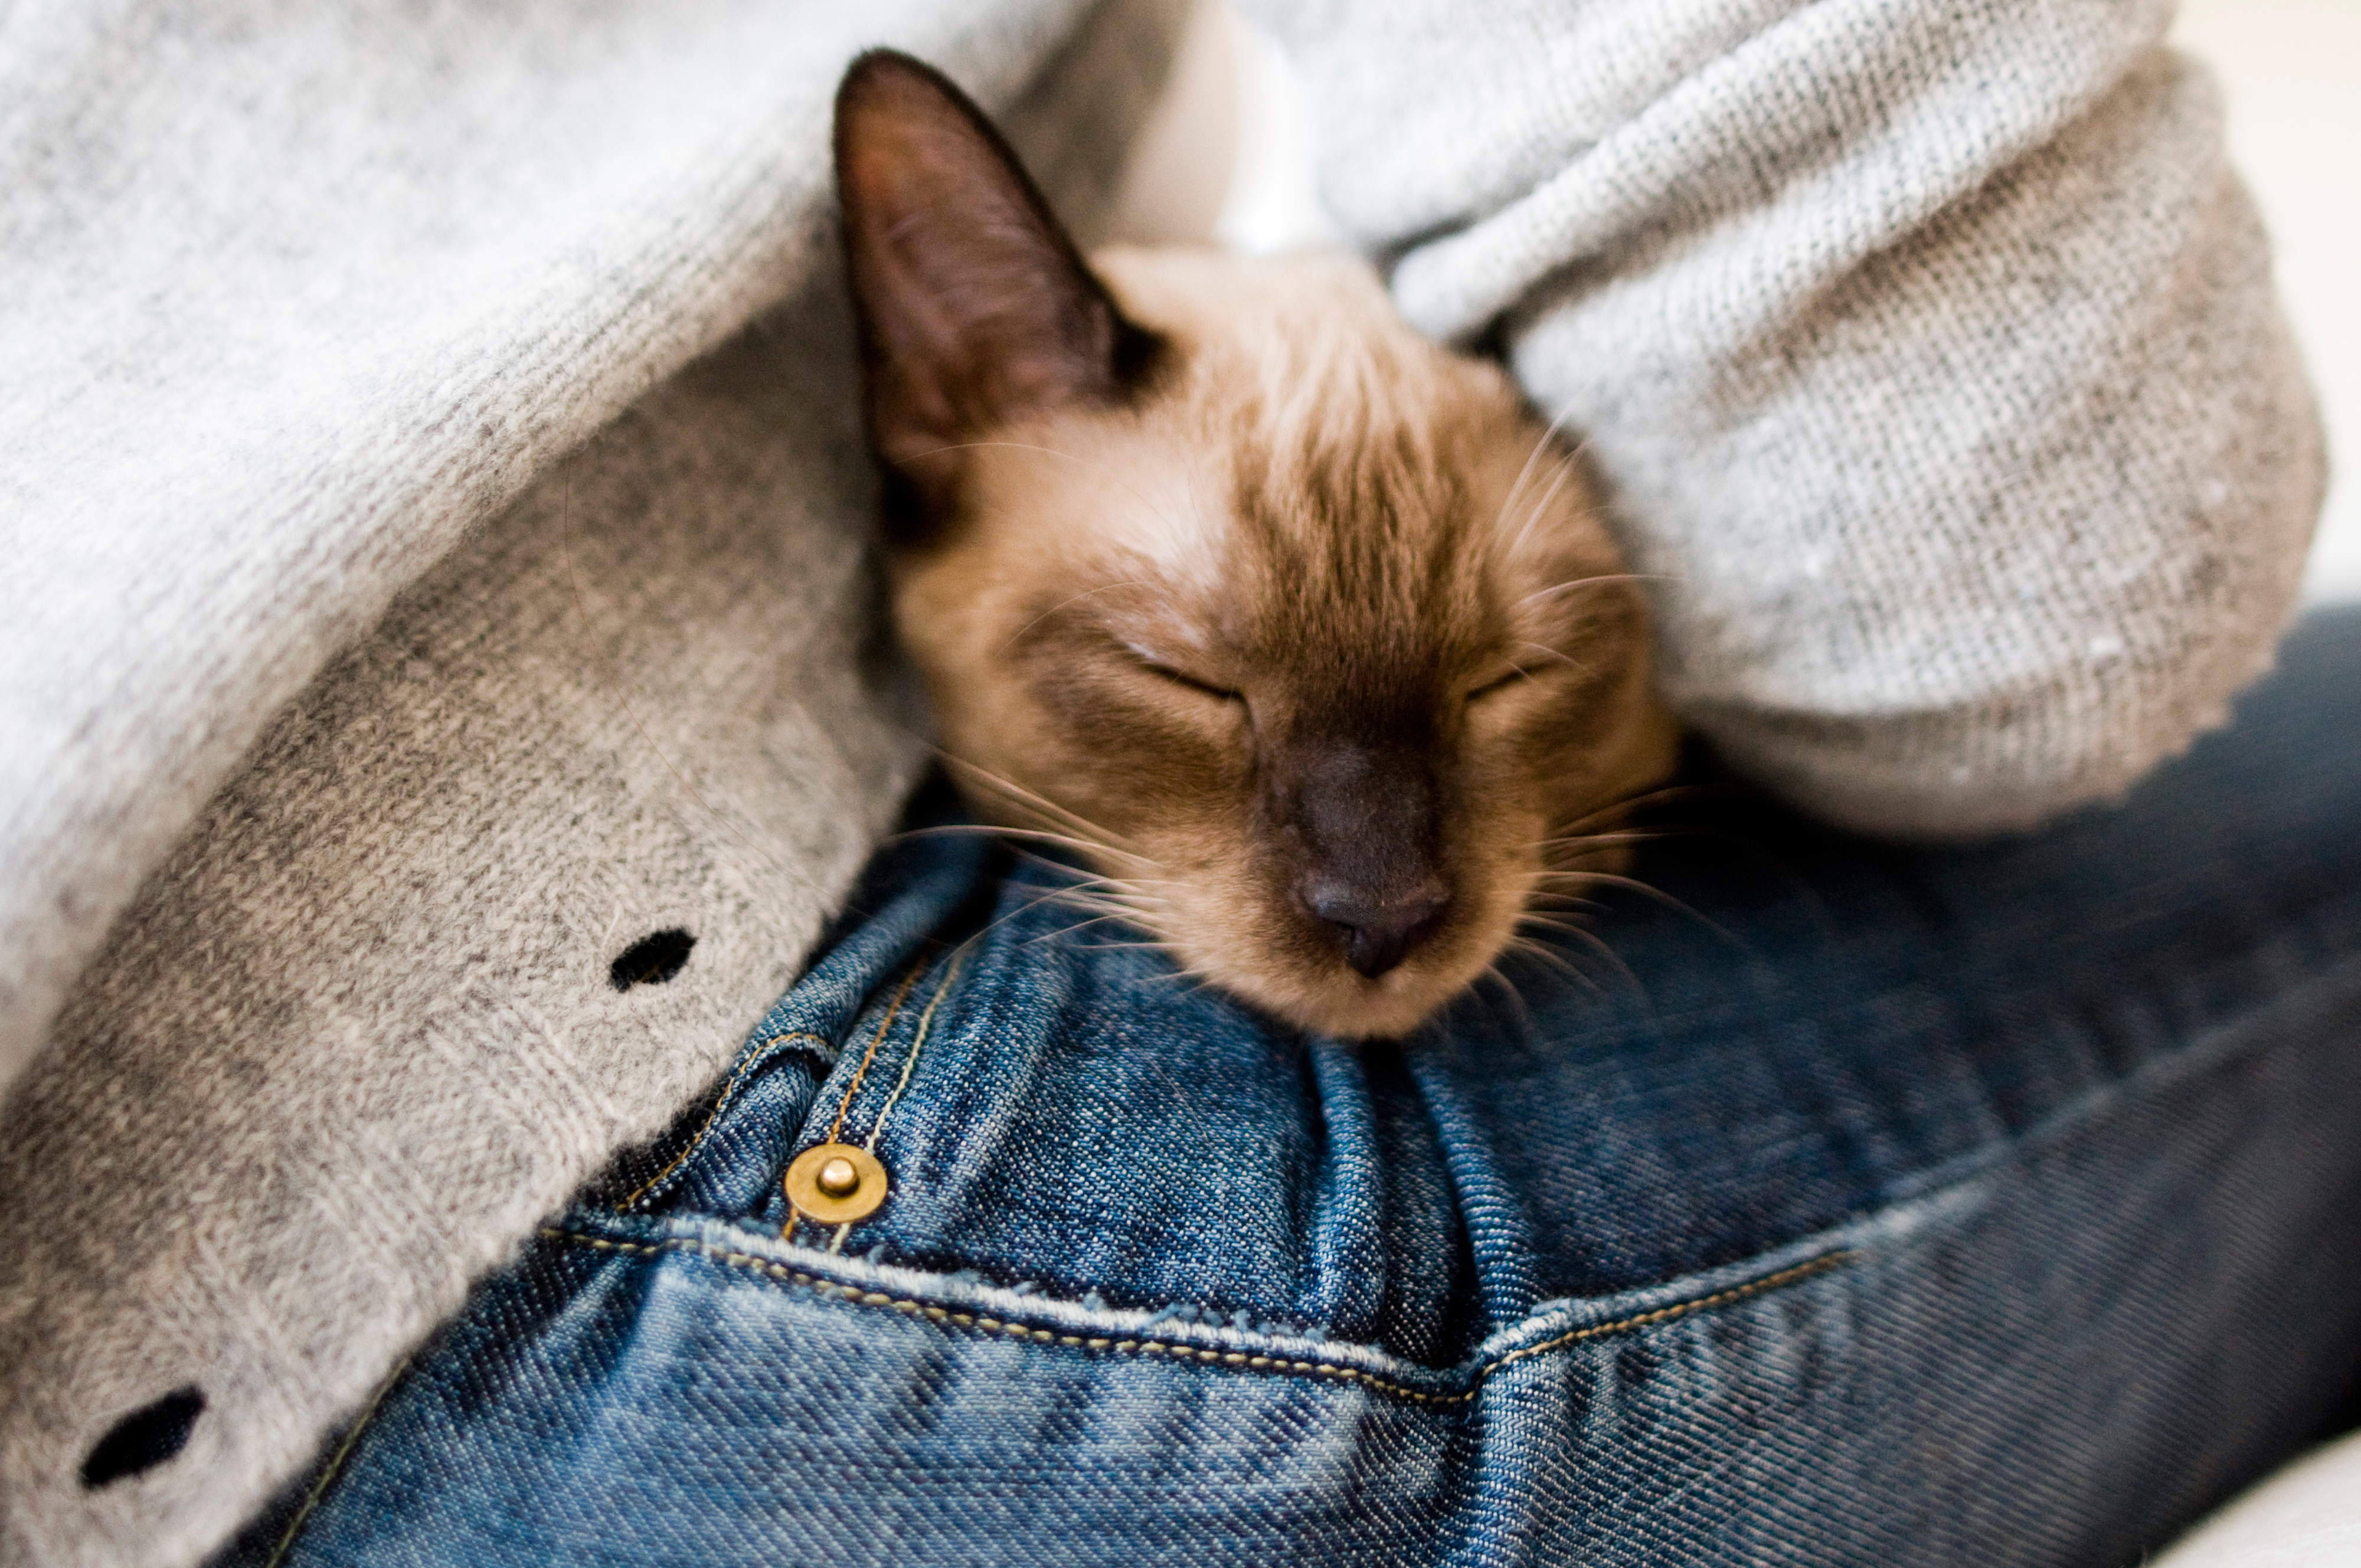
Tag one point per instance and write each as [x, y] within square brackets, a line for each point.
[1848, 1203]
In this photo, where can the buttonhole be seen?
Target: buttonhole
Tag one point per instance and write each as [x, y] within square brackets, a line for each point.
[650, 961]
[143, 1438]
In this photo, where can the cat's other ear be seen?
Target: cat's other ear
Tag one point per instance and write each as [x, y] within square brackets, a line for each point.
[975, 309]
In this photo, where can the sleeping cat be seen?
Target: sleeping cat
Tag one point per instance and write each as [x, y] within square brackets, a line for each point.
[1302, 631]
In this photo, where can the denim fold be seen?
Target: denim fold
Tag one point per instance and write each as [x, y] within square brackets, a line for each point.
[1806, 1199]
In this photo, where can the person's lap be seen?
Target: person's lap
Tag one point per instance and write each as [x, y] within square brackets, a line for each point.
[1845, 1203]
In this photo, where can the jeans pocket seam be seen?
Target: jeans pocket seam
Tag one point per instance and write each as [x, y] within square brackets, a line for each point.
[328, 1476]
[1141, 1344]
[884, 1027]
[748, 1060]
[1795, 1274]
[868, 1058]
[917, 1043]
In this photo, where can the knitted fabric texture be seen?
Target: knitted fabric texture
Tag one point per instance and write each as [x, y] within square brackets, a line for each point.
[1929, 352]
[437, 517]
[359, 1021]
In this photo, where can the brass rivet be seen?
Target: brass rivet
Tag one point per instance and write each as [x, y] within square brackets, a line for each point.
[835, 1184]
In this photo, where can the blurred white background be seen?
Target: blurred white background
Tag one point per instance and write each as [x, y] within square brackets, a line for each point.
[1229, 159]
[2292, 72]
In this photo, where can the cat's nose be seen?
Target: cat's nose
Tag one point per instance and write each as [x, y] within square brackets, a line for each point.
[1378, 933]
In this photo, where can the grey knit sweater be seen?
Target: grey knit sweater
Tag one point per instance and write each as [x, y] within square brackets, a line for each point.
[1930, 349]
[435, 523]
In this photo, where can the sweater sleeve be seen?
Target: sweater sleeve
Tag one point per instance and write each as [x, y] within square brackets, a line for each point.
[1928, 351]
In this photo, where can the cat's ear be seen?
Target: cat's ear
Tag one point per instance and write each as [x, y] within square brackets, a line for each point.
[975, 309]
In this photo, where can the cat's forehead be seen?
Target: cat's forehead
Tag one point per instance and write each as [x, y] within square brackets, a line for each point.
[1299, 394]
[1305, 470]
[1095, 497]
[1298, 354]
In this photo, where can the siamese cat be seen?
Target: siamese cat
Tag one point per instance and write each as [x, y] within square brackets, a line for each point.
[1302, 632]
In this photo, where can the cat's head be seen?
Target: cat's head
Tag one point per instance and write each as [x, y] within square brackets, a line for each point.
[1304, 628]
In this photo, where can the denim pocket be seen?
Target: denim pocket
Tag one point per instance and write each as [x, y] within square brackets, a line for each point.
[2029, 1364]
[2019, 1258]
[1060, 1118]
[2050, 1357]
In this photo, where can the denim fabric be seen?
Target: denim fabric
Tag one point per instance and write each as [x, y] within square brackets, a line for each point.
[1838, 1203]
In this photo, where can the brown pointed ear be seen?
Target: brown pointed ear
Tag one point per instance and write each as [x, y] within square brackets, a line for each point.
[974, 307]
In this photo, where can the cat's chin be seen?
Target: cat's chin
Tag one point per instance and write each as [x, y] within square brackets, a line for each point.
[1345, 1006]
[1222, 924]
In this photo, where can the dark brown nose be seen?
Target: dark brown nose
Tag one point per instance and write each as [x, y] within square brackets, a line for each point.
[1364, 823]
[1376, 933]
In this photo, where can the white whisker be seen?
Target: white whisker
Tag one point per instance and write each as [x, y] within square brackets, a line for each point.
[1601, 578]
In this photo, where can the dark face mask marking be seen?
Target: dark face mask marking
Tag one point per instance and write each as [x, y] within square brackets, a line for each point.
[1365, 826]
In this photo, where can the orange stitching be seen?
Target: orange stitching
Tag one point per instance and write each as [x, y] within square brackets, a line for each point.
[745, 1064]
[857, 1296]
[918, 1044]
[891, 1011]
[1665, 1314]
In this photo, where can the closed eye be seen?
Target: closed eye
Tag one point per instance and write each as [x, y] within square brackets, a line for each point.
[1193, 684]
[1157, 667]
[1497, 684]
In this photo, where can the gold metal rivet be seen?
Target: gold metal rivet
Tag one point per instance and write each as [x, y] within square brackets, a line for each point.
[835, 1184]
